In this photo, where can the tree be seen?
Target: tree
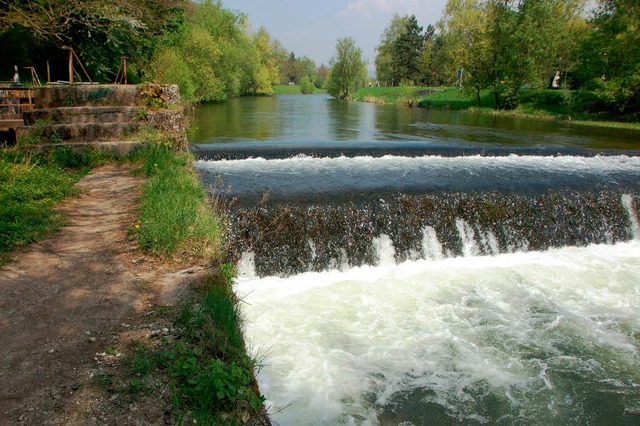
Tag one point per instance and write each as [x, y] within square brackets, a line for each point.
[292, 70]
[610, 55]
[215, 56]
[505, 45]
[262, 59]
[321, 76]
[34, 31]
[306, 86]
[346, 68]
[407, 53]
[384, 57]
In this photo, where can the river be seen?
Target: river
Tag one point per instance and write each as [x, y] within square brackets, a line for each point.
[405, 266]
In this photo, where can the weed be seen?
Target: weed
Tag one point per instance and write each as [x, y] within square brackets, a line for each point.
[111, 351]
[141, 115]
[151, 95]
[56, 136]
[229, 272]
[33, 136]
[104, 381]
[69, 100]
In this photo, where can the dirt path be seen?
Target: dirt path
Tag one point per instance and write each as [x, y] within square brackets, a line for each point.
[66, 299]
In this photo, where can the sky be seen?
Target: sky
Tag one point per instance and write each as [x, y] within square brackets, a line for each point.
[311, 28]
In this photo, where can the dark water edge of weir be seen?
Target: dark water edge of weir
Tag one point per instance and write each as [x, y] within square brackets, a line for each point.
[289, 238]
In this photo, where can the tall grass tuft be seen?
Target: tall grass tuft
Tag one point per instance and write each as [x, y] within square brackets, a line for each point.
[175, 213]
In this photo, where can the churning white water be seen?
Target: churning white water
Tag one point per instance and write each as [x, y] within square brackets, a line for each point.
[521, 338]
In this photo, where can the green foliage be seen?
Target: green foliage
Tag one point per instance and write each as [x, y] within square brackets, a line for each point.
[215, 56]
[346, 69]
[212, 328]
[508, 45]
[610, 55]
[408, 49]
[229, 272]
[306, 86]
[385, 57]
[175, 215]
[34, 31]
[29, 188]
[212, 387]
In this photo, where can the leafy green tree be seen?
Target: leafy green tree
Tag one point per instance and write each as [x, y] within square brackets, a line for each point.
[292, 70]
[408, 51]
[321, 76]
[505, 45]
[385, 50]
[346, 69]
[306, 86]
[258, 67]
[215, 56]
[434, 59]
[610, 55]
[33, 32]
[309, 67]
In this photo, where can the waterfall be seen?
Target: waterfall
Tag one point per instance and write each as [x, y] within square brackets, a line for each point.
[627, 202]
[287, 239]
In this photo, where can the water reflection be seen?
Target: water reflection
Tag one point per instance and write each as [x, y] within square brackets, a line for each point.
[319, 120]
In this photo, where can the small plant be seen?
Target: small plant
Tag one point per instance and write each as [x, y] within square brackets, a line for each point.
[229, 272]
[69, 100]
[141, 115]
[104, 381]
[33, 136]
[56, 136]
[111, 351]
[151, 95]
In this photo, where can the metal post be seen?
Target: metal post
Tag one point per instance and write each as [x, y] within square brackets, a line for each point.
[70, 63]
[16, 77]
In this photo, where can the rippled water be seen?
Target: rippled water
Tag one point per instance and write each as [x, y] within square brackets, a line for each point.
[404, 266]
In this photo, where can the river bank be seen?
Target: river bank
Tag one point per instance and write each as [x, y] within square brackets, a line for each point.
[125, 312]
[578, 107]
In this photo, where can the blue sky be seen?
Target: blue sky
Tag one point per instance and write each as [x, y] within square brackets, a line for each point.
[312, 28]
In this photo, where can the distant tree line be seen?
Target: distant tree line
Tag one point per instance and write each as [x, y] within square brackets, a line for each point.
[509, 45]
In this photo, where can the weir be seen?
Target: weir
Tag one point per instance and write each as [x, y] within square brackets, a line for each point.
[313, 214]
[407, 267]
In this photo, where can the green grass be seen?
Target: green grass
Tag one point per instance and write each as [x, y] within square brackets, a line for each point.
[285, 89]
[423, 97]
[31, 184]
[176, 217]
[204, 365]
[609, 124]
[209, 368]
[580, 106]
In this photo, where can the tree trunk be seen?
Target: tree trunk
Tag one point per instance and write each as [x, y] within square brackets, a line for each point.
[496, 95]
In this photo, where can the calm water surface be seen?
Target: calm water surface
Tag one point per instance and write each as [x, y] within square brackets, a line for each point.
[414, 267]
[319, 121]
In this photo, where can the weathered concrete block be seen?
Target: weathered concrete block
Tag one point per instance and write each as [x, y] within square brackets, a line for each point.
[81, 115]
[89, 95]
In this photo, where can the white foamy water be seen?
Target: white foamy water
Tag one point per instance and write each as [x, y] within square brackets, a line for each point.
[523, 338]
[302, 165]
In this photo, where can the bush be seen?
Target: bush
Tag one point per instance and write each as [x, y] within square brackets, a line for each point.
[306, 87]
